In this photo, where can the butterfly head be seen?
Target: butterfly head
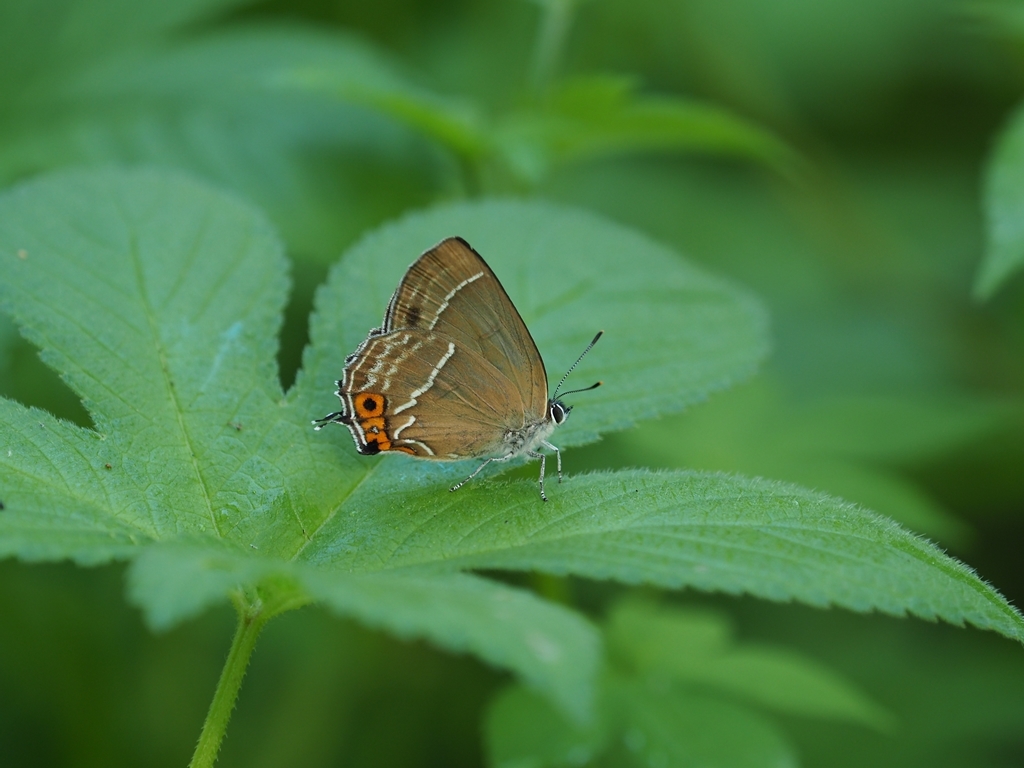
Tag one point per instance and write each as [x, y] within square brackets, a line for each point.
[558, 411]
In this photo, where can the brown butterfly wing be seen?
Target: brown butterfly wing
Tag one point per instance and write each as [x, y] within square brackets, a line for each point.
[452, 292]
[407, 391]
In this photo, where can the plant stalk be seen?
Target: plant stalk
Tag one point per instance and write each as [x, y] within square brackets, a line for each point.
[555, 21]
[252, 616]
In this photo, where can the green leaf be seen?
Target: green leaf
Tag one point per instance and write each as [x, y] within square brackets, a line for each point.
[666, 698]
[159, 300]
[522, 730]
[849, 446]
[159, 303]
[674, 529]
[41, 37]
[1004, 211]
[554, 649]
[669, 727]
[695, 648]
[55, 502]
[593, 117]
[996, 18]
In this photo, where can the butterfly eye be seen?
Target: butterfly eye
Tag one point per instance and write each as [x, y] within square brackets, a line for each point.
[559, 412]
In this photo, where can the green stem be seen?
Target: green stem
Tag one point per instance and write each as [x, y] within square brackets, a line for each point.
[555, 20]
[251, 618]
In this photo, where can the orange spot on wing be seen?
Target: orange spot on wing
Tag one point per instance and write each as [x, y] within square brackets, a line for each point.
[369, 424]
[375, 430]
[380, 438]
[369, 404]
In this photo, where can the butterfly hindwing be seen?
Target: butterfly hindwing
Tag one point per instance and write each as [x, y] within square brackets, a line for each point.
[404, 391]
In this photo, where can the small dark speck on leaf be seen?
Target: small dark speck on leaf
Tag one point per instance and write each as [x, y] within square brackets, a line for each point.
[2, 507]
[109, 466]
[236, 425]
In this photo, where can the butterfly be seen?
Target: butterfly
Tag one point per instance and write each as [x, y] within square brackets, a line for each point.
[453, 373]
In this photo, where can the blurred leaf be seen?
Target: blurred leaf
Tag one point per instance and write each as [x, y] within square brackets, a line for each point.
[522, 730]
[582, 119]
[359, 75]
[955, 695]
[1005, 18]
[671, 727]
[664, 662]
[212, 103]
[1004, 208]
[593, 117]
[42, 37]
[696, 648]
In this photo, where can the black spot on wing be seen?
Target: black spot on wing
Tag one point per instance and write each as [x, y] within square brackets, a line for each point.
[368, 449]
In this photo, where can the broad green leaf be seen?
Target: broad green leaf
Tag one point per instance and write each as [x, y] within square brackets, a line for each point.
[849, 446]
[552, 648]
[55, 502]
[674, 529]
[593, 117]
[171, 350]
[522, 730]
[695, 648]
[159, 300]
[1004, 211]
[668, 727]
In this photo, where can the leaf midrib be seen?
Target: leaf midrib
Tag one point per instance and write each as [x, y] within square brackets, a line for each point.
[337, 508]
[171, 392]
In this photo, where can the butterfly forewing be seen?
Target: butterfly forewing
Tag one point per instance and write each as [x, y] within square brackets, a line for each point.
[451, 292]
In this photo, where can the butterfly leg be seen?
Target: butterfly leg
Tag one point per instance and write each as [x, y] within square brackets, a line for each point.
[477, 470]
[558, 457]
[543, 461]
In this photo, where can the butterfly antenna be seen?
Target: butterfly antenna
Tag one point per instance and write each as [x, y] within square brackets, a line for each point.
[590, 346]
[595, 385]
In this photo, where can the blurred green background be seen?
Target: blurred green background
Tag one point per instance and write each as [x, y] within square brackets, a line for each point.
[889, 385]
